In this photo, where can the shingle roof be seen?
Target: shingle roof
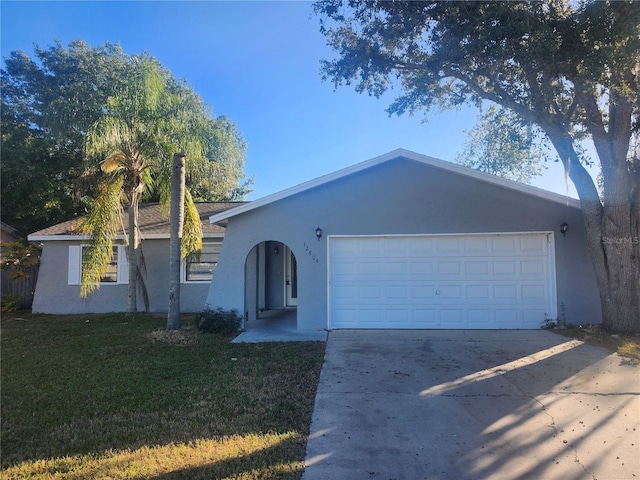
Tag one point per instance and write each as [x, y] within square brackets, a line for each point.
[151, 219]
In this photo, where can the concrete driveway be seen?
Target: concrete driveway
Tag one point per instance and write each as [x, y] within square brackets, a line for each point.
[473, 405]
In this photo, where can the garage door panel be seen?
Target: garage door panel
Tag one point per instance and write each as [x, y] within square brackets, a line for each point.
[451, 317]
[365, 269]
[503, 244]
[395, 246]
[533, 268]
[423, 292]
[478, 292]
[424, 317]
[421, 246]
[476, 245]
[479, 318]
[476, 268]
[449, 245]
[460, 281]
[505, 316]
[422, 268]
[535, 244]
[396, 268]
[449, 267]
[536, 292]
[396, 292]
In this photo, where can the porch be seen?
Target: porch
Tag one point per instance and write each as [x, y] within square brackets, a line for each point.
[278, 325]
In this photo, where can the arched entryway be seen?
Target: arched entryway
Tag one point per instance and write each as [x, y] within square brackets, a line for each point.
[271, 286]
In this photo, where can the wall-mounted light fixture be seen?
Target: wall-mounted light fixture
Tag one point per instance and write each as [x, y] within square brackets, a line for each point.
[563, 229]
[276, 250]
[319, 233]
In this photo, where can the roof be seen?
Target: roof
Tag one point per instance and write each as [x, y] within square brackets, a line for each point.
[153, 223]
[8, 228]
[222, 217]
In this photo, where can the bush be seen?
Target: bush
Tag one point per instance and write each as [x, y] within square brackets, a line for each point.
[220, 321]
[10, 303]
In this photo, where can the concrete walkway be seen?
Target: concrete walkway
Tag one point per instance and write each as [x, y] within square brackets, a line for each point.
[473, 405]
[278, 326]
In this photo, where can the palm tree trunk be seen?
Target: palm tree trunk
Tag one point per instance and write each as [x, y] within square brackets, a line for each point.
[176, 221]
[133, 252]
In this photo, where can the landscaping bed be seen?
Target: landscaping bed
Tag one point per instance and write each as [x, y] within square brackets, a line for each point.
[626, 345]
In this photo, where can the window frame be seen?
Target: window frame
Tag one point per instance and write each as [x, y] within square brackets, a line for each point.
[184, 262]
[75, 264]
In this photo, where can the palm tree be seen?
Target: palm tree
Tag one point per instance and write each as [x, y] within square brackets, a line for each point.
[147, 121]
[176, 222]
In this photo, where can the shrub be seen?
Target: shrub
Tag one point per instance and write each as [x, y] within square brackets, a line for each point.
[10, 303]
[218, 320]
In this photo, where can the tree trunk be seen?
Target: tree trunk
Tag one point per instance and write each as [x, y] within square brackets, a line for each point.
[133, 253]
[612, 236]
[176, 221]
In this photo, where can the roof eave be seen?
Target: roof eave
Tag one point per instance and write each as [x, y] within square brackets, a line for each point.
[395, 154]
[151, 236]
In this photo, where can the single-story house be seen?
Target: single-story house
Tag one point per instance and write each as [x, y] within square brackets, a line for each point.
[58, 286]
[408, 241]
[8, 234]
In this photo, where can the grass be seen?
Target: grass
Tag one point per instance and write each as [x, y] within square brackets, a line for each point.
[626, 345]
[104, 396]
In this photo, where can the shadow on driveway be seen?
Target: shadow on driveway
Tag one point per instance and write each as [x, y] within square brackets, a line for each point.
[473, 404]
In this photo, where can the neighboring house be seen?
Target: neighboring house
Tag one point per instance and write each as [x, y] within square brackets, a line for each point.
[8, 234]
[408, 241]
[58, 287]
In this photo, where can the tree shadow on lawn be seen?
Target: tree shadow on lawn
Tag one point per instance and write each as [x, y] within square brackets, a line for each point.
[271, 463]
[85, 390]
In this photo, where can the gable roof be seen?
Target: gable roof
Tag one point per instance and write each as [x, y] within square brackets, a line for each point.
[153, 223]
[400, 153]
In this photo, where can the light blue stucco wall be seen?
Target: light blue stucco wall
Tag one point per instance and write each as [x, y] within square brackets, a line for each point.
[400, 197]
[53, 294]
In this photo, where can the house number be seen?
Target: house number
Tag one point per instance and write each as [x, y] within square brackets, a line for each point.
[313, 256]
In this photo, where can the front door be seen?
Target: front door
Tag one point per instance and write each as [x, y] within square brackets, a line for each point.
[291, 278]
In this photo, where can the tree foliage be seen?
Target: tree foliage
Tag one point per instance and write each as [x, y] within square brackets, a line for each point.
[129, 152]
[500, 145]
[49, 103]
[19, 258]
[570, 68]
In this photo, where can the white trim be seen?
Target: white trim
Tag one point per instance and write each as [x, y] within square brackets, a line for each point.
[123, 267]
[454, 234]
[74, 265]
[76, 238]
[183, 269]
[551, 239]
[551, 257]
[289, 301]
[399, 153]
[328, 259]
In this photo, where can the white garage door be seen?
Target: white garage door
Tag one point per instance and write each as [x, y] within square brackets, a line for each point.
[441, 281]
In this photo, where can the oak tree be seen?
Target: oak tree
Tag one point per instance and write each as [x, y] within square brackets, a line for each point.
[570, 68]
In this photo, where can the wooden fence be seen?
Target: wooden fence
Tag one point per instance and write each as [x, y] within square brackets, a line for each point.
[23, 289]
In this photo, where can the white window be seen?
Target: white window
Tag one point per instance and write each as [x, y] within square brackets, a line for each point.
[117, 269]
[199, 267]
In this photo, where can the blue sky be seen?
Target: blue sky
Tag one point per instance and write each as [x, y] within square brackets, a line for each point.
[258, 63]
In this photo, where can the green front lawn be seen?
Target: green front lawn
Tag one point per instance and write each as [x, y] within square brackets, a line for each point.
[104, 396]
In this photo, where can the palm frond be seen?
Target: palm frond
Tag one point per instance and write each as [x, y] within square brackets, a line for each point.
[192, 228]
[102, 225]
[109, 136]
[114, 162]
